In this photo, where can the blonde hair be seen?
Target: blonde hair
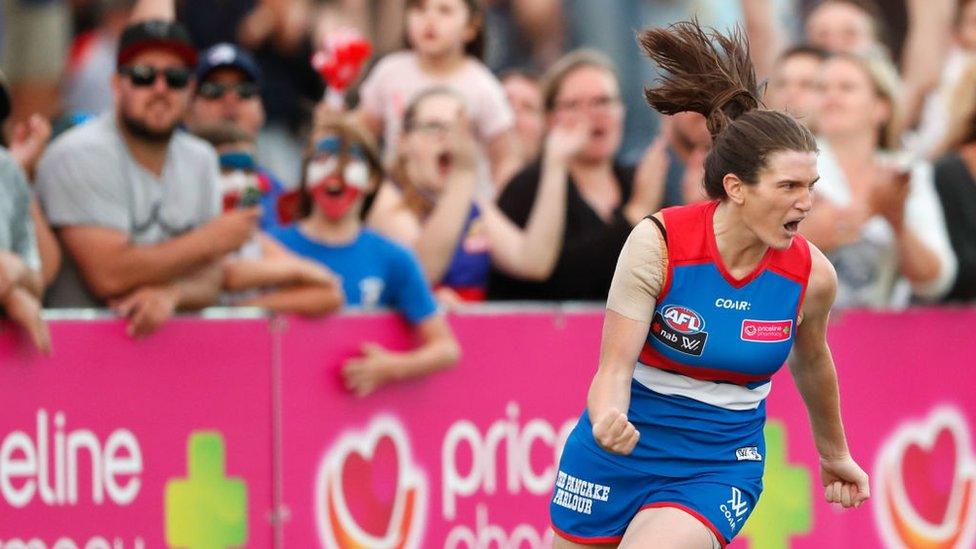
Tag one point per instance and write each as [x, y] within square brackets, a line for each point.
[887, 84]
[961, 103]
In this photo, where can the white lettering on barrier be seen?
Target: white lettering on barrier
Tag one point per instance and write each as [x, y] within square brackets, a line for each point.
[96, 542]
[484, 453]
[486, 535]
[25, 472]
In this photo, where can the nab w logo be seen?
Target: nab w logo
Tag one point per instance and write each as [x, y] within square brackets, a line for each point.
[735, 508]
[738, 504]
[690, 344]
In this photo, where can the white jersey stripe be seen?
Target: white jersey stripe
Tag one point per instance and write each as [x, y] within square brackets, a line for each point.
[724, 395]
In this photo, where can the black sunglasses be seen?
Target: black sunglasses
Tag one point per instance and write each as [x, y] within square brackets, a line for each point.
[144, 75]
[244, 90]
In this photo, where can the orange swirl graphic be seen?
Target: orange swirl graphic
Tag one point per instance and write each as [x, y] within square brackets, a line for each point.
[916, 540]
[345, 540]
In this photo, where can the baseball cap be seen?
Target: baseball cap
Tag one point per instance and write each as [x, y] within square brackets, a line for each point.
[156, 34]
[228, 55]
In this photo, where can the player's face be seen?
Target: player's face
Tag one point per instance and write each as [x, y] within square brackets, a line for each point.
[782, 198]
[795, 87]
[851, 103]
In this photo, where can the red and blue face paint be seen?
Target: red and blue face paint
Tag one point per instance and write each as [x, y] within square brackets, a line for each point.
[335, 181]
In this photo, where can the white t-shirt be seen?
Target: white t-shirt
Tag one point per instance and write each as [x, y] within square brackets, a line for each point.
[867, 270]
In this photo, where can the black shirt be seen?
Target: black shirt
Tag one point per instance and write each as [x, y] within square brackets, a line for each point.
[590, 244]
[957, 193]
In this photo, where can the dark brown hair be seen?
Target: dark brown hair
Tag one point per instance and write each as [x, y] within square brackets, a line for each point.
[712, 74]
[476, 16]
[350, 133]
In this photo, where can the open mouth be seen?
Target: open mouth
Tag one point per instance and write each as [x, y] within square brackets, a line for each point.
[792, 226]
[444, 162]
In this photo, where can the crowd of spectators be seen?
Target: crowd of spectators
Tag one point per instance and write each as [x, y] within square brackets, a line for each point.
[491, 150]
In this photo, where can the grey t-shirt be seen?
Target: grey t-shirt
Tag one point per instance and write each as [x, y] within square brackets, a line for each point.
[88, 177]
[16, 227]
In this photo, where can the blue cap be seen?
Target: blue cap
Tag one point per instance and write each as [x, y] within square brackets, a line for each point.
[227, 55]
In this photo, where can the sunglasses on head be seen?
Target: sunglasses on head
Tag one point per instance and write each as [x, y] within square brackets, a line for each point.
[144, 75]
[244, 90]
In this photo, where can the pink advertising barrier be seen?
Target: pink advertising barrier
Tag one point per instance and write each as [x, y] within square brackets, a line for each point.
[96, 441]
[466, 458]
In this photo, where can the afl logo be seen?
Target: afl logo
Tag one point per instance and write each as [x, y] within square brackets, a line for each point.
[683, 320]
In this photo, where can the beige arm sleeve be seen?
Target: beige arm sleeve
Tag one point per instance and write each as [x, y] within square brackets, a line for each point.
[640, 273]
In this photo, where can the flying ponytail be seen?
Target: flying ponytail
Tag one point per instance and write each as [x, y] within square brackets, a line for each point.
[712, 74]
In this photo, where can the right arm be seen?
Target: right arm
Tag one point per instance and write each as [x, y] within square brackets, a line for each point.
[637, 281]
[112, 265]
[531, 253]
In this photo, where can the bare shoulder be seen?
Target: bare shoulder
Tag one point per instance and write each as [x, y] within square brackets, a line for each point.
[822, 283]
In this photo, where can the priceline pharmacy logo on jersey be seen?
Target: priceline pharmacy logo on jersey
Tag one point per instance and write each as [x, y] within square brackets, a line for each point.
[61, 466]
[373, 492]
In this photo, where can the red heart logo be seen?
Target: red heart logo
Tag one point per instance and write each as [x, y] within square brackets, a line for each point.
[928, 476]
[369, 486]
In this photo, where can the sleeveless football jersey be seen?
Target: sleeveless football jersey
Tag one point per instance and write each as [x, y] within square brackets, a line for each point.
[711, 327]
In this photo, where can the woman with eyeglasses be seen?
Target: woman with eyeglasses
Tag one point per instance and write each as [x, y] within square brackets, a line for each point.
[341, 175]
[604, 199]
[456, 233]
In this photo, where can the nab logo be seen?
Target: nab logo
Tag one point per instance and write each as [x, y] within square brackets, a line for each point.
[683, 319]
[369, 494]
[924, 488]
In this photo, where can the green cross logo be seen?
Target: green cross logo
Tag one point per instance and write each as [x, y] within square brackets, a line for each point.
[206, 510]
[785, 508]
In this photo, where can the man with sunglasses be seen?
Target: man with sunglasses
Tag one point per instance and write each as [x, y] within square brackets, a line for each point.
[228, 99]
[134, 198]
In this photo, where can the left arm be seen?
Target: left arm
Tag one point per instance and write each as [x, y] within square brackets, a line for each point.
[816, 379]
[438, 349]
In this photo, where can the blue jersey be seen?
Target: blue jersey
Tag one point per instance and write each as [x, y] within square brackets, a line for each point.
[375, 272]
[467, 273]
[698, 393]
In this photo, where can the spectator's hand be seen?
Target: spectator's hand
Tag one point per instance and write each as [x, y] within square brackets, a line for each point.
[448, 298]
[28, 141]
[230, 230]
[692, 185]
[648, 182]
[365, 374]
[614, 433]
[889, 193]
[147, 309]
[567, 137]
[10, 268]
[844, 481]
[24, 309]
[462, 148]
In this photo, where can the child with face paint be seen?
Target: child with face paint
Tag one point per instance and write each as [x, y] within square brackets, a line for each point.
[341, 176]
[456, 233]
[262, 273]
